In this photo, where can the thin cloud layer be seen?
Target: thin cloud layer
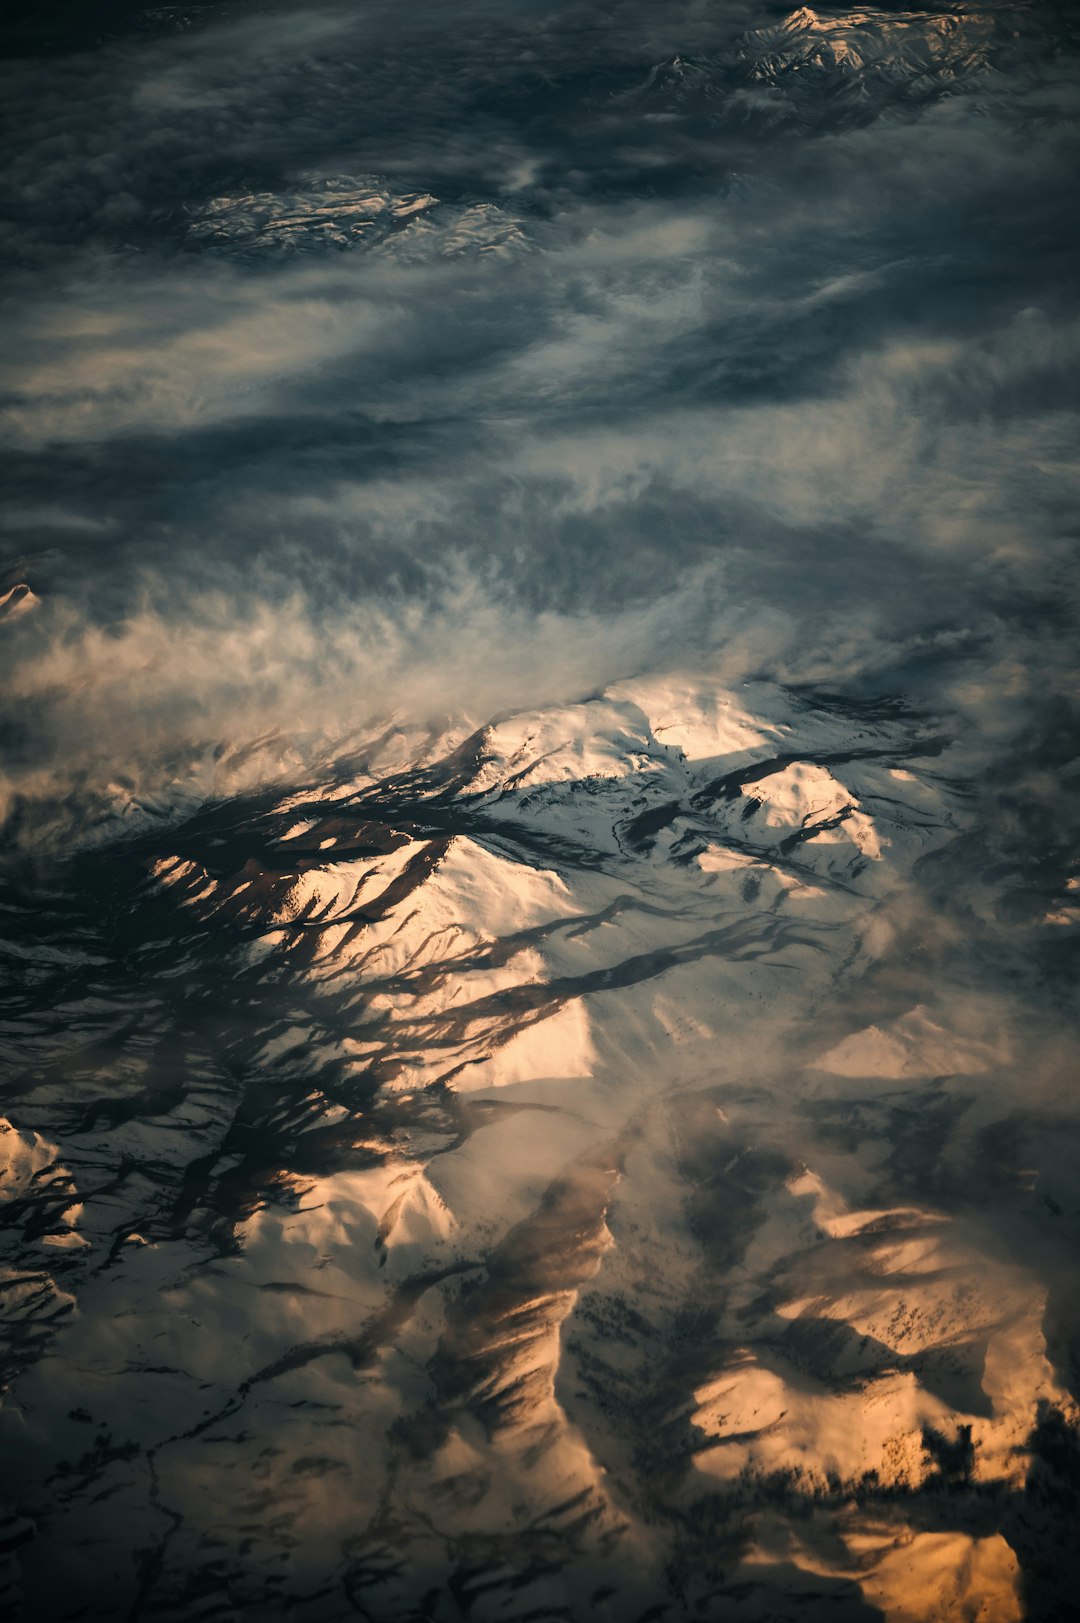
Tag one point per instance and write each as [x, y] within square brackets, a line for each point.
[836, 379]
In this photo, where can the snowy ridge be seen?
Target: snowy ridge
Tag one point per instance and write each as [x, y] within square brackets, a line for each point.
[341, 212]
[506, 1132]
[818, 68]
[881, 47]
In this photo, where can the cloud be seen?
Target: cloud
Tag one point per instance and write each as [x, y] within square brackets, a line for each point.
[805, 389]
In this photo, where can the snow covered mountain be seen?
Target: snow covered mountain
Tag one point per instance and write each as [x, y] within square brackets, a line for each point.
[824, 69]
[524, 1168]
[340, 212]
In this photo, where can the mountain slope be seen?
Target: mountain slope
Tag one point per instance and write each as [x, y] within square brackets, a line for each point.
[514, 1160]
